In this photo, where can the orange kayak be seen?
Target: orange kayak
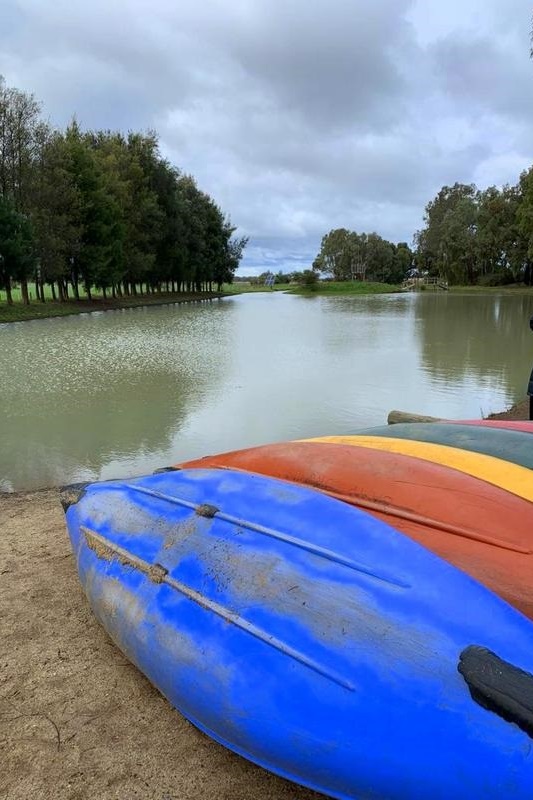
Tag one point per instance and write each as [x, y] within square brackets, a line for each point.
[475, 525]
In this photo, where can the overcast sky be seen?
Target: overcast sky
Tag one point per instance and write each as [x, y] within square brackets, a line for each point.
[297, 116]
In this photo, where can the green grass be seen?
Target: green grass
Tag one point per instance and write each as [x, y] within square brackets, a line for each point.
[245, 288]
[17, 297]
[511, 288]
[322, 287]
[346, 287]
[19, 312]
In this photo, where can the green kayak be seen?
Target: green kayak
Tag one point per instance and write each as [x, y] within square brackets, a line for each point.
[508, 445]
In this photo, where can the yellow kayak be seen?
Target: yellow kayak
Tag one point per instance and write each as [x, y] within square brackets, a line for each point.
[511, 477]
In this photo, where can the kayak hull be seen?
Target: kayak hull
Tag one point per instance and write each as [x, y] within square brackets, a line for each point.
[506, 444]
[505, 474]
[478, 527]
[265, 613]
[523, 426]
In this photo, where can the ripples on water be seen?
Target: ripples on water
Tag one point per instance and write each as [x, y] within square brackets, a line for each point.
[119, 393]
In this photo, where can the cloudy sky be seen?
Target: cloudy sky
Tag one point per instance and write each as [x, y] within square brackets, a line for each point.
[297, 116]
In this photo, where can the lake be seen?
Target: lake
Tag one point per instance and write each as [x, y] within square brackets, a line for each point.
[120, 393]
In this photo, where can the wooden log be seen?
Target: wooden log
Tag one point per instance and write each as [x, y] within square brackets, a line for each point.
[396, 417]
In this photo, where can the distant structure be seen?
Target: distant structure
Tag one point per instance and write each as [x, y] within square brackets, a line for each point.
[422, 281]
[270, 279]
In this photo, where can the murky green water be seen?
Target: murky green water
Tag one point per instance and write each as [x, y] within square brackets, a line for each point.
[122, 393]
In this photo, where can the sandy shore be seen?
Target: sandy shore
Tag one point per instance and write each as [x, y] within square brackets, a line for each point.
[78, 721]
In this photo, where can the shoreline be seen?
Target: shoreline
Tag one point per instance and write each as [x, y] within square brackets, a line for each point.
[517, 411]
[51, 310]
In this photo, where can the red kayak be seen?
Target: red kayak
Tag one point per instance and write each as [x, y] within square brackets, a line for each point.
[477, 526]
[523, 426]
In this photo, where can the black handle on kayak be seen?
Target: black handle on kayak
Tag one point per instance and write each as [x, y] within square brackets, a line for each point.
[498, 686]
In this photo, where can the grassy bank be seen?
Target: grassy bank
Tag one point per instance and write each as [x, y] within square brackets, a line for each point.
[19, 312]
[246, 288]
[512, 288]
[346, 287]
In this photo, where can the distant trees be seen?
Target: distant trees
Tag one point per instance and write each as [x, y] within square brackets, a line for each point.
[102, 210]
[17, 250]
[473, 236]
[346, 255]
[308, 279]
[469, 236]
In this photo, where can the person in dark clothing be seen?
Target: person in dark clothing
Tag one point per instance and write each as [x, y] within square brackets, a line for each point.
[530, 384]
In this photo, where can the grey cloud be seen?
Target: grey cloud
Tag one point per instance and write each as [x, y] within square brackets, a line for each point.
[485, 75]
[333, 66]
[297, 117]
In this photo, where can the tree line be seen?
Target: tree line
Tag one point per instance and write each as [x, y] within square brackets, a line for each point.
[346, 255]
[101, 210]
[470, 236]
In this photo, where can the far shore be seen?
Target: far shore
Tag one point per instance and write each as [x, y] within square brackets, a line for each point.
[18, 312]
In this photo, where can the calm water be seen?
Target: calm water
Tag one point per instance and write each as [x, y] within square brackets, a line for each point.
[122, 393]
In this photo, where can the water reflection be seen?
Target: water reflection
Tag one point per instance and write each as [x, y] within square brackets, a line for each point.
[481, 337]
[78, 393]
[122, 393]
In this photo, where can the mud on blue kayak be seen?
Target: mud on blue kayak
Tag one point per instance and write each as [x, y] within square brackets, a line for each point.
[310, 637]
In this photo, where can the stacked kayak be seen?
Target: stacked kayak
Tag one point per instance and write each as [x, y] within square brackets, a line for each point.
[507, 444]
[309, 636]
[474, 510]
[524, 426]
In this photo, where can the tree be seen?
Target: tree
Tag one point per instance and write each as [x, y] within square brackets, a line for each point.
[233, 254]
[107, 210]
[19, 119]
[56, 204]
[342, 255]
[346, 255]
[446, 246]
[308, 279]
[502, 247]
[17, 251]
[379, 258]
[524, 216]
[402, 263]
[97, 214]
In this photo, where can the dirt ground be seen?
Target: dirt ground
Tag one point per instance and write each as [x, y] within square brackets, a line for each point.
[78, 721]
[518, 411]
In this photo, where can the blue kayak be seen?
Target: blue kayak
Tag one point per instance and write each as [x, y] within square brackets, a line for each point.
[310, 637]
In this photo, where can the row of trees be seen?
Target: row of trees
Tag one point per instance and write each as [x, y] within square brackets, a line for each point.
[346, 255]
[101, 209]
[469, 236]
[473, 236]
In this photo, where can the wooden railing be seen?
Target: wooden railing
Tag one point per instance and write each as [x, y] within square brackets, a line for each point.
[411, 284]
